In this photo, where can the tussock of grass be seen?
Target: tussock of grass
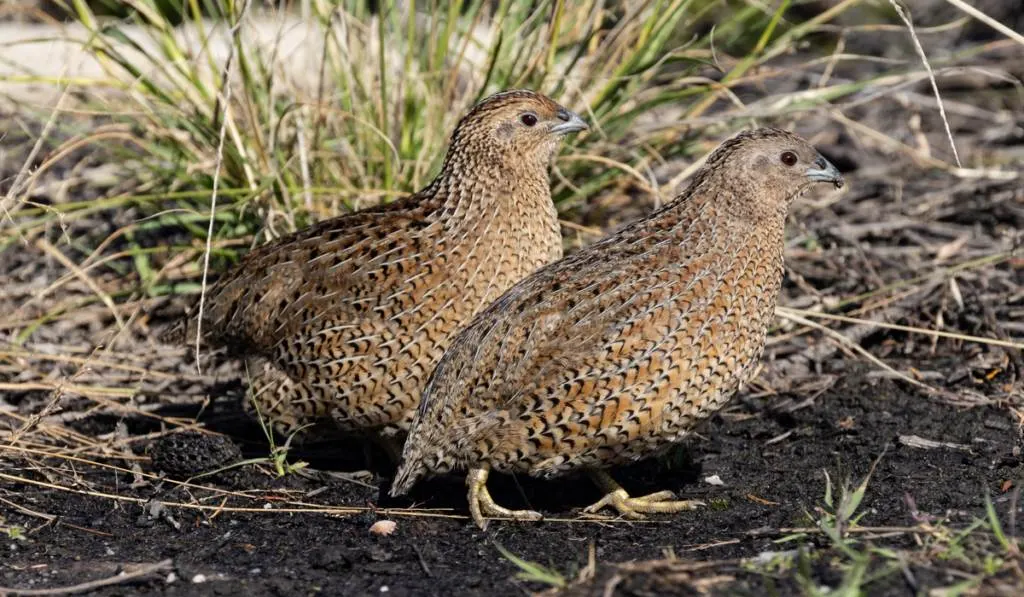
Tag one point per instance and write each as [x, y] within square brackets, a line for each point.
[368, 114]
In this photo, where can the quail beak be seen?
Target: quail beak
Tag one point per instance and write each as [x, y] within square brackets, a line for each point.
[571, 123]
[824, 171]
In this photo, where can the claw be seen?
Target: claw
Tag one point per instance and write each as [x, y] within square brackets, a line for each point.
[481, 503]
[636, 507]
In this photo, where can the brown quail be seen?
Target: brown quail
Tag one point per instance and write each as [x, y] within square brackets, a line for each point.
[611, 354]
[345, 320]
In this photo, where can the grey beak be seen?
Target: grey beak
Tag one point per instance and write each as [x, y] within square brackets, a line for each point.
[571, 123]
[824, 171]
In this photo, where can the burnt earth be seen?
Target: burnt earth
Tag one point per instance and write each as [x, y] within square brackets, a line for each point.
[771, 455]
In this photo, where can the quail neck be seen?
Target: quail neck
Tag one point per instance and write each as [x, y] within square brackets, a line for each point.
[486, 188]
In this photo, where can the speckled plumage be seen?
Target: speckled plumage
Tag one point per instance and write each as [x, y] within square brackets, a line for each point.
[346, 319]
[613, 353]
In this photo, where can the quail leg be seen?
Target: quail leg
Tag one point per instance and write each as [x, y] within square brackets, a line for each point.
[635, 507]
[482, 504]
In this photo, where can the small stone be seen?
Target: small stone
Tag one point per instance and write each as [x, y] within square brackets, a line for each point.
[199, 579]
[383, 527]
[714, 480]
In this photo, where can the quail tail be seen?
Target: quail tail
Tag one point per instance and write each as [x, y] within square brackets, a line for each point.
[408, 473]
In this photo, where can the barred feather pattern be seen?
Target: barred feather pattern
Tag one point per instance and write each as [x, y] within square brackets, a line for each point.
[613, 353]
[346, 319]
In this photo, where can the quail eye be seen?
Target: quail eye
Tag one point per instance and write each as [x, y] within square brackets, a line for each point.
[788, 158]
[529, 119]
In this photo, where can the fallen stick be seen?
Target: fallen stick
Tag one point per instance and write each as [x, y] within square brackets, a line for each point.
[143, 570]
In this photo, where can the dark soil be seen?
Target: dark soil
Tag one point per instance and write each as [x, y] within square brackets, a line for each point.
[771, 455]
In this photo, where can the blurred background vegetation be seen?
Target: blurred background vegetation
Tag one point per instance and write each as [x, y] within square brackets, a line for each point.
[197, 94]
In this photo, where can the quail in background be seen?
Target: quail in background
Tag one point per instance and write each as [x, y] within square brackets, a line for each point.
[345, 320]
[613, 353]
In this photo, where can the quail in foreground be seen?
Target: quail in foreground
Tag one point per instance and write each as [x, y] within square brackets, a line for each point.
[613, 353]
[345, 320]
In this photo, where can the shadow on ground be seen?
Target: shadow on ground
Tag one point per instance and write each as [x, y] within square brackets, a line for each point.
[771, 457]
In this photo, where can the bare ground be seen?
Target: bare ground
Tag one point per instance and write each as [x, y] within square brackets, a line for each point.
[771, 456]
